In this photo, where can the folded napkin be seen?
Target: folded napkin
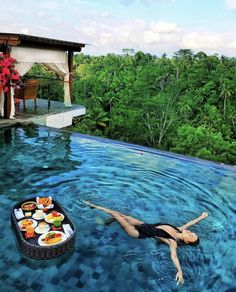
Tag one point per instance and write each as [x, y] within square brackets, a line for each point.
[67, 229]
[19, 213]
[48, 207]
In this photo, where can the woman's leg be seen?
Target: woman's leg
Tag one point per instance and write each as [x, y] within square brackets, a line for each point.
[128, 228]
[130, 219]
[120, 218]
[109, 211]
[109, 220]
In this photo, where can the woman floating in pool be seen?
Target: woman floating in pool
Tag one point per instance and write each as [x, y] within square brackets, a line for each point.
[167, 233]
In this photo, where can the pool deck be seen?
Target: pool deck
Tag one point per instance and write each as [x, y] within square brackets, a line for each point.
[58, 116]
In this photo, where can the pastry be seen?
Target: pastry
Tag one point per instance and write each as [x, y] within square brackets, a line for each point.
[44, 201]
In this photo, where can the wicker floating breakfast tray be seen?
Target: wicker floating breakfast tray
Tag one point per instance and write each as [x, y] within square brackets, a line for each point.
[31, 248]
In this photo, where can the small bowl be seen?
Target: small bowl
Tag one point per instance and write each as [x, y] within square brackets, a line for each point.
[29, 206]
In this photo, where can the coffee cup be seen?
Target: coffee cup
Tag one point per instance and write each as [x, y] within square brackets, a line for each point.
[39, 213]
[42, 226]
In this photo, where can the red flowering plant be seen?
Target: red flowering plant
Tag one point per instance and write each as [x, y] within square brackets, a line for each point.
[8, 75]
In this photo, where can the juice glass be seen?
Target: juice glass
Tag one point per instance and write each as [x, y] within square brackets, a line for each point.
[57, 223]
[29, 230]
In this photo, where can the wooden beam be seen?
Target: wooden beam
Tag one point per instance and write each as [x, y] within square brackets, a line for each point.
[7, 95]
[9, 41]
[70, 65]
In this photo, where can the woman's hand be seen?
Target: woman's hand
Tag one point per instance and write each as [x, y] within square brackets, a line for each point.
[179, 278]
[204, 215]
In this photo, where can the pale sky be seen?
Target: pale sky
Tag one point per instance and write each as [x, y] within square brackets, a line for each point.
[152, 26]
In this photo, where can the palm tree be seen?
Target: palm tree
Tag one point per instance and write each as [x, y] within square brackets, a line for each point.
[225, 92]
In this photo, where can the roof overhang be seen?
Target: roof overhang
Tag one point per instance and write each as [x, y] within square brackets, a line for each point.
[23, 40]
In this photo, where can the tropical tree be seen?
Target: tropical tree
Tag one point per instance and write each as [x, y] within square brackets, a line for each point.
[225, 91]
[185, 103]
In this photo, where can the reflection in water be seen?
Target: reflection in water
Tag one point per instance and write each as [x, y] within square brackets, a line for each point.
[150, 186]
[27, 152]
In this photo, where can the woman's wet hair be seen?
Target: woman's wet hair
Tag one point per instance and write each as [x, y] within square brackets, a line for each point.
[196, 242]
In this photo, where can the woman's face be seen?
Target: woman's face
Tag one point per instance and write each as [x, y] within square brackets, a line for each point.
[189, 236]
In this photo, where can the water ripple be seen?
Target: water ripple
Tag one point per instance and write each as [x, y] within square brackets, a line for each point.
[148, 186]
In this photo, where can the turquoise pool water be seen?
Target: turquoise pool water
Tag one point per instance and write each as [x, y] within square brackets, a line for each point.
[150, 185]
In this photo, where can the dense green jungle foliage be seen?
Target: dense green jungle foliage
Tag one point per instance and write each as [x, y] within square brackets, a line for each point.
[185, 104]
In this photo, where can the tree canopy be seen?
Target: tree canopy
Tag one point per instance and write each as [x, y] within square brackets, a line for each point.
[185, 104]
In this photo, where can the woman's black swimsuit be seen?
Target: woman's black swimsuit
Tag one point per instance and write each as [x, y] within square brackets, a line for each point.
[150, 230]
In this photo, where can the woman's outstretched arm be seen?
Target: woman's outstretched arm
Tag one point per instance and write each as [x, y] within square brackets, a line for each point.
[173, 252]
[194, 221]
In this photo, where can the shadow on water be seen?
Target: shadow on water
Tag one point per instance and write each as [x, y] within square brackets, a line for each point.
[35, 264]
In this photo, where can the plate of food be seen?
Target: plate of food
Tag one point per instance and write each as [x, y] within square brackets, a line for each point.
[29, 206]
[50, 218]
[42, 228]
[23, 224]
[44, 203]
[51, 238]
